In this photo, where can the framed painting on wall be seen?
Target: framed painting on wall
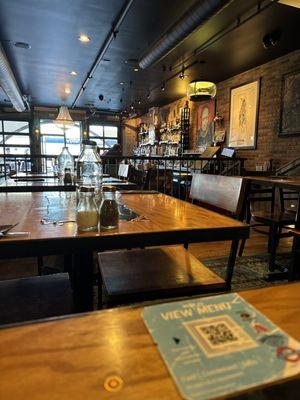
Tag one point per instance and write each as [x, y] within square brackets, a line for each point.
[205, 123]
[244, 105]
[290, 105]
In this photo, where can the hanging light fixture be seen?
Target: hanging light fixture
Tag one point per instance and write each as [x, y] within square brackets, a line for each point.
[201, 90]
[63, 120]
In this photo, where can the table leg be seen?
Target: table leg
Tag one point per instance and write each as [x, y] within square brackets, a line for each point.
[82, 281]
[294, 270]
[231, 263]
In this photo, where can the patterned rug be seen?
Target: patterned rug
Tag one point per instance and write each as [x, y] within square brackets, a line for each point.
[249, 272]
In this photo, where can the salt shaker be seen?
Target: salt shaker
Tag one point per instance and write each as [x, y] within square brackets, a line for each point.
[87, 214]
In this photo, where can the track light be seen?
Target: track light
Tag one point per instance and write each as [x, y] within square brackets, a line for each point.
[163, 87]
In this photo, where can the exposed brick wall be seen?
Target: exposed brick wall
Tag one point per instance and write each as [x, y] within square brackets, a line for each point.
[269, 144]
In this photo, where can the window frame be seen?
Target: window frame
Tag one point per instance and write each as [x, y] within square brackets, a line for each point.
[103, 137]
[4, 133]
[64, 135]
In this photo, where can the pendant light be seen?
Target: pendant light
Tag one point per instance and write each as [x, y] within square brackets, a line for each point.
[201, 90]
[64, 120]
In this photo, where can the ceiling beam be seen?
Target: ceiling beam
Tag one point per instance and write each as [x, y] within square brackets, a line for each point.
[110, 37]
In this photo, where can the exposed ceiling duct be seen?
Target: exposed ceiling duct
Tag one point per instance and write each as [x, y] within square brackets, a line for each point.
[199, 13]
[9, 83]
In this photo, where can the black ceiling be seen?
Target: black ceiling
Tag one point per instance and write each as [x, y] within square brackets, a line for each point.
[52, 27]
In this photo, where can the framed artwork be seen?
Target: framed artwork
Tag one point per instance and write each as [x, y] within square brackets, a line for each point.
[290, 105]
[244, 105]
[205, 123]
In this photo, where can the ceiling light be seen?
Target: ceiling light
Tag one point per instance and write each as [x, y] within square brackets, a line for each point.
[63, 118]
[163, 87]
[67, 90]
[148, 95]
[122, 83]
[73, 73]
[292, 3]
[132, 61]
[136, 69]
[84, 38]
[201, 90]
[22, 45]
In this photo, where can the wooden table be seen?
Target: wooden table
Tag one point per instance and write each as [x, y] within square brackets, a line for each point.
[71, 358]
[30, 175]
[169, 221]
[284, 182]
[46, 184]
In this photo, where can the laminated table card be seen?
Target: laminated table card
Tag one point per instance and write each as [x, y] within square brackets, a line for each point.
[220, 345]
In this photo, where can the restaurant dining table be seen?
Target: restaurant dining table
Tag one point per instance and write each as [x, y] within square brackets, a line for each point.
[46, 184]
[289, 183]
[163, 220]
[30, 175]
[110, 354]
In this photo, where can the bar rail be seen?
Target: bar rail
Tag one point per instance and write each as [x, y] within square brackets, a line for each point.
[169, 175]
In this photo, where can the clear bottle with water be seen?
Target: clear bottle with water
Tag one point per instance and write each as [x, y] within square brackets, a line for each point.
[65, 160]
[89, 167]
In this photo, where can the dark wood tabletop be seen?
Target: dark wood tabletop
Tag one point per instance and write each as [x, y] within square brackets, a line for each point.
[286, 182]
[74, 358]
[167, 221]
[50, 184]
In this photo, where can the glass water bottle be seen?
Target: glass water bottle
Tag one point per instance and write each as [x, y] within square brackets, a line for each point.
[89, 166]
[109, 210]
[65, 160]
[87, 216]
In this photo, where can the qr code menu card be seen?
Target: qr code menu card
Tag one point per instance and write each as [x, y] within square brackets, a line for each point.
[220, 345]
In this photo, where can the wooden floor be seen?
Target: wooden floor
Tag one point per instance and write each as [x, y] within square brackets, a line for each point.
[257, 244]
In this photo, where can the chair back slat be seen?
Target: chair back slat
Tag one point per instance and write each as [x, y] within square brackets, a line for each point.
[123, 171]
[225, 193]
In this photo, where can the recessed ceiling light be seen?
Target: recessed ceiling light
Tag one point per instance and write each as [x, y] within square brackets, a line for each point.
[84, 38]
[22, 45]
[292, 3]
[136, 69]
[122, 83]
[67, 90]
[73, 73]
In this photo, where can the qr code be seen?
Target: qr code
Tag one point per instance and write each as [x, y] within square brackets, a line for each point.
[218, 334]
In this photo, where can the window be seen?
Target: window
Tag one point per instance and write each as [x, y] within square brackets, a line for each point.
[14, 137]
[53, 137]
[104, 136]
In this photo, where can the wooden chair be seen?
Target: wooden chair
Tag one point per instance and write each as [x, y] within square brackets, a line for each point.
[167, 271]
[35, 297]
[294, 271]
[277, 219]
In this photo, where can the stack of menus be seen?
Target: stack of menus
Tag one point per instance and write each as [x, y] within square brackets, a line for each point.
[217, 346]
